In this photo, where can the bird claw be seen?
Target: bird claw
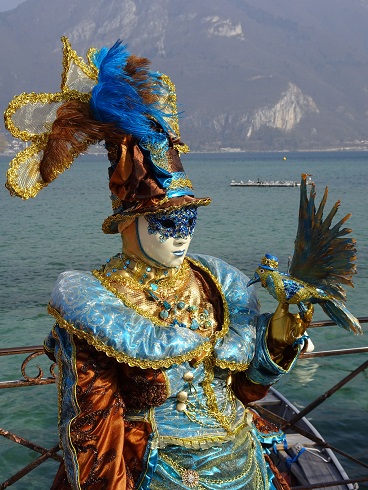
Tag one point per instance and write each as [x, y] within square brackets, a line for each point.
[306, 313]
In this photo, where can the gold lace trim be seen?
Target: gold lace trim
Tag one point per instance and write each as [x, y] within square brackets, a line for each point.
[70, 57]
[231, 365]
[204, 350]
[41, 99]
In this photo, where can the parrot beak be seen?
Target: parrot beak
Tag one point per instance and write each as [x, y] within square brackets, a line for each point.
[254, 279]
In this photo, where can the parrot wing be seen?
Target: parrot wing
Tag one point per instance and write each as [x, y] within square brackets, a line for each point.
[323, 256]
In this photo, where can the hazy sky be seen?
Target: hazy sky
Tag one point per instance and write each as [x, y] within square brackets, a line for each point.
[9, 4]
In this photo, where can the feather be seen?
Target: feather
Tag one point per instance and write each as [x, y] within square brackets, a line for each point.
[323, 256]
[341, 315]
[73, 130]
[128, 94]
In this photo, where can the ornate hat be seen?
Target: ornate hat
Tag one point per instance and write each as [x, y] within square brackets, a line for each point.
[112, 97]
[270, 262]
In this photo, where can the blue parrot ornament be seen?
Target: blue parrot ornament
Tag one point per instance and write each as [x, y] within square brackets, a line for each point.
[323, 260]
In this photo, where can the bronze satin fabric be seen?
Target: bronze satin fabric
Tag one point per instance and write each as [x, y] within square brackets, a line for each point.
[132, 180]
[97, 434]
[109, 449]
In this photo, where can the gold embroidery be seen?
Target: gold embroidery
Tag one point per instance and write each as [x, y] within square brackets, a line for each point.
[213, 409]
[116, 203]
[168, 104]
[167, 297]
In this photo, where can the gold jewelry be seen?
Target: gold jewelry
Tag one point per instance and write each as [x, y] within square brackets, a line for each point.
[174, 295]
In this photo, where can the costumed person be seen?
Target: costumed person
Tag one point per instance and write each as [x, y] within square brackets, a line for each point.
[159, 352]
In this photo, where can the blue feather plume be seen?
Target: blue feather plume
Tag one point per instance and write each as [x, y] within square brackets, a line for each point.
[116, 98]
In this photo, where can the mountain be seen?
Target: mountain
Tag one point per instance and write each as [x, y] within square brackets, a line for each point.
[250, 74]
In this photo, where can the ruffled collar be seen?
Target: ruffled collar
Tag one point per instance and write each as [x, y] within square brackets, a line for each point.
[84, 307]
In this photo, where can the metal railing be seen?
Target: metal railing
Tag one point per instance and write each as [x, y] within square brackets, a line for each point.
[41, 379]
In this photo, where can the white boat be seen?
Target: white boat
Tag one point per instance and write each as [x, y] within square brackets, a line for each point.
[268, 183]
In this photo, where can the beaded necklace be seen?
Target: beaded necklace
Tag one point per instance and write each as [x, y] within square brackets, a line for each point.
[174, 294]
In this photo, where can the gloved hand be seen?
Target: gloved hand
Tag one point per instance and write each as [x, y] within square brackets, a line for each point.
[285, 328]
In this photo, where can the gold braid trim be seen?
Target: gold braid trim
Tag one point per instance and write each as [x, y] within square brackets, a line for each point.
[231, 365]
[70, 56]
[225, 326]
[199, 442]
[181, 184]
[203, 350]
[211, 397]
[43, 99]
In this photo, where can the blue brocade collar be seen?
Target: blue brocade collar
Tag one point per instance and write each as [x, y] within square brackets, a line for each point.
[84, 307]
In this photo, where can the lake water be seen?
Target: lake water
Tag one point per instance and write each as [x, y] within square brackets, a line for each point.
[60, 230]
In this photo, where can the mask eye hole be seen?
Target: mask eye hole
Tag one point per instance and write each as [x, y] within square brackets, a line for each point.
[261, 271]
[167, 223]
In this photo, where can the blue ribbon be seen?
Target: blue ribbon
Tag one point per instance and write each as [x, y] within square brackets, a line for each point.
[290, 461]
[301, 340]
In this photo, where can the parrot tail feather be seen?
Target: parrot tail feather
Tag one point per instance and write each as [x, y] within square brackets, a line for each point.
[337, 311]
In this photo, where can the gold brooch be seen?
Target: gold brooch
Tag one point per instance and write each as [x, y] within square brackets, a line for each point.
[190, 478]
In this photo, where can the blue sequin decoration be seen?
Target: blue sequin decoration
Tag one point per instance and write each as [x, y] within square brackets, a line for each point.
[291, 287]
[179, 223]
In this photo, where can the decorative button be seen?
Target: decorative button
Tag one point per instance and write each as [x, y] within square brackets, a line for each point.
[163, 314]
[180, 407]
[180, 305]
[188, 376]
[190, 478]
[182, 396]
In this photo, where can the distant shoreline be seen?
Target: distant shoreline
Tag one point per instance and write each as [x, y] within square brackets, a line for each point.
[235, 151]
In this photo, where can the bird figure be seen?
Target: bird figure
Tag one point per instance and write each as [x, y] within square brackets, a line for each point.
[323, 260]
